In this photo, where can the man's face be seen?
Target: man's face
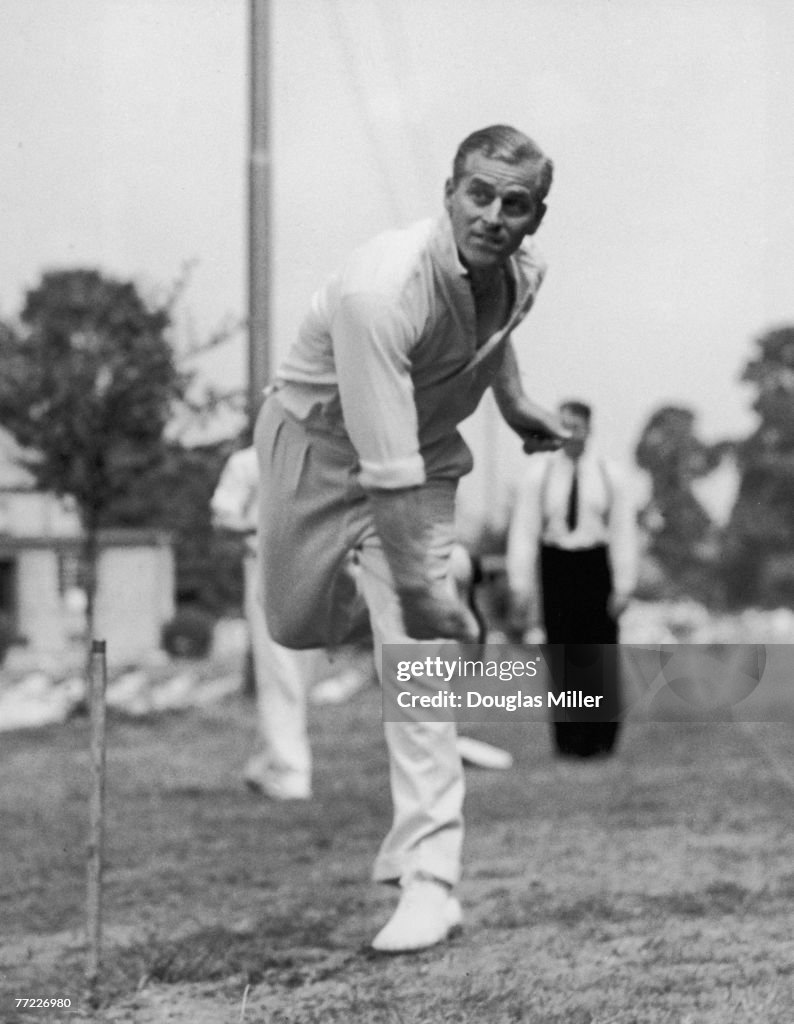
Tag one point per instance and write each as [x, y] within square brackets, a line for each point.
[492, 208]
[579, 430]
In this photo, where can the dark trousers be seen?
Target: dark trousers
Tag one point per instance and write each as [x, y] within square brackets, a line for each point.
[576, 587]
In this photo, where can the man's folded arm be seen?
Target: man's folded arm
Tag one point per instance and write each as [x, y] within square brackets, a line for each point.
[431, 606]
[372, 345]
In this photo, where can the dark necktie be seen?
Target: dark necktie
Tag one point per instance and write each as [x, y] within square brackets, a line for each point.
[572, 517]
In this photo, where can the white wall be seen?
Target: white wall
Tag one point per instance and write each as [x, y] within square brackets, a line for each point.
[135, 598]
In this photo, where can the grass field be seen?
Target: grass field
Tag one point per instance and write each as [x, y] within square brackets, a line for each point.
[657, 888]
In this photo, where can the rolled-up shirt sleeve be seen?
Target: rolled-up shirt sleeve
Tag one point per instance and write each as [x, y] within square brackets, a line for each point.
[372, 342]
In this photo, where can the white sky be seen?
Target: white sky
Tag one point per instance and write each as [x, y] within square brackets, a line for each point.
[670, 234]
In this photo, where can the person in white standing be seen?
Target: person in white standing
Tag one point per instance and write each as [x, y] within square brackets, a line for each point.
[282, 769]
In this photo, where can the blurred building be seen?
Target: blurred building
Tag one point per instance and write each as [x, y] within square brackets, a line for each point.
[41, 596]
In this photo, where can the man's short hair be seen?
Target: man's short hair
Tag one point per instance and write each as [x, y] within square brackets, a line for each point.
[577, 407]
[501, 142]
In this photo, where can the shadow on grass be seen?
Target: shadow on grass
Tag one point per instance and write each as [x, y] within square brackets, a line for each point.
[287, 948]
[721, 898]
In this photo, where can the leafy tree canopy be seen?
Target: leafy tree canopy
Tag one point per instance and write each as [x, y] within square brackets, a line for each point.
[670, 451]
[88, 382]
[771, 371]
[681, 534]
[759, 539]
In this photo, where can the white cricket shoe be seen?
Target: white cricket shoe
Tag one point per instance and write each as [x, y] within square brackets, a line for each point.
[483, 755]
[337, 689]
[426, 914]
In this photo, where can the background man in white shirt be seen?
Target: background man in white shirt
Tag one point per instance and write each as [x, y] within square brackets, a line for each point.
[282, 768]
[572, 564]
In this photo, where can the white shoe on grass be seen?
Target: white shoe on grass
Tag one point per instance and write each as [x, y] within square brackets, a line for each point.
[337, 689]
[427, 914]
[483, 755]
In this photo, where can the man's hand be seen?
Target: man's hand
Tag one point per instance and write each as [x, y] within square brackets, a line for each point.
[540, 430]
[435, 614]
[432, 608]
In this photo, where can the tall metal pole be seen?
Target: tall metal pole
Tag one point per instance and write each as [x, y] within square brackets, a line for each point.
[259, 201]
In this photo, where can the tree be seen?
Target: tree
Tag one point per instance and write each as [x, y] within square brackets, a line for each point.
[682, 536]
[759, 538]
[88, 384]
[175, 496]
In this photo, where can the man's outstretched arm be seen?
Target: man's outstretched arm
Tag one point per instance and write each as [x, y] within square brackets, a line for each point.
[538, 428]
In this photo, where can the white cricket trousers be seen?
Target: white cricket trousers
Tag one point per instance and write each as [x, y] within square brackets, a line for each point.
[314, 517]
[283, 677]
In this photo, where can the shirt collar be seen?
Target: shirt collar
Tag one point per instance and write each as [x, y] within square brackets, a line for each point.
[445, 250]
[526, 266]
